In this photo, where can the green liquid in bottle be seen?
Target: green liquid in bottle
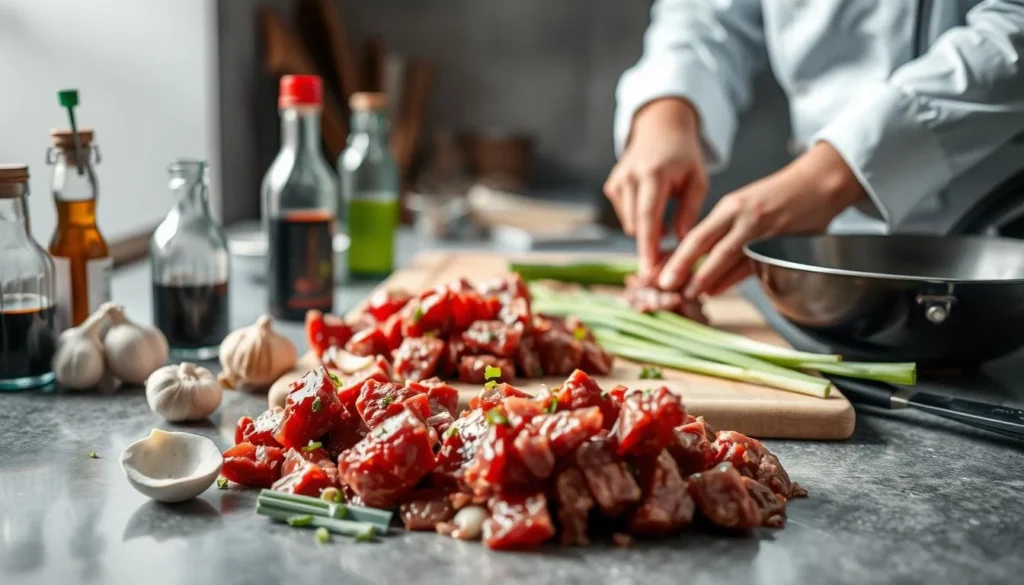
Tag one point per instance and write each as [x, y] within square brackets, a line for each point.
[371, 227]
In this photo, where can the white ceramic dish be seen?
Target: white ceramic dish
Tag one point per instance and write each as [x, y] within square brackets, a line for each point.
[171, 467]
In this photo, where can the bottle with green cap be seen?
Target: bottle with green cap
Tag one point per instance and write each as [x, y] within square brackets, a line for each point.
[80, 254]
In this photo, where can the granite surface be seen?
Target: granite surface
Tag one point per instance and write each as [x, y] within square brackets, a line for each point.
[909, 499]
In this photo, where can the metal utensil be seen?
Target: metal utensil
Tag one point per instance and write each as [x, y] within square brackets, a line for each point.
[991, 417]
[944, 302]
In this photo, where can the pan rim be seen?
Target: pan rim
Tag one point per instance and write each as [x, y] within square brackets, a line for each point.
[759, 257]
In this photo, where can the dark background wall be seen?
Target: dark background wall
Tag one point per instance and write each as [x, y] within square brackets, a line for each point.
[544, 67]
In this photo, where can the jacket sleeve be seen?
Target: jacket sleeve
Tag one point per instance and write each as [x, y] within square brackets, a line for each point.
[704, 51]
[908, 136]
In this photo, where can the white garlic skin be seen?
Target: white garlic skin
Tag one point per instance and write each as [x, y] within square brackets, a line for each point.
[78, 361]
[133, 351]
[256, 356]
[469, 522]
[183, 392]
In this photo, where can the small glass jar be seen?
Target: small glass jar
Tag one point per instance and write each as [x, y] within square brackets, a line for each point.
[190, 268]
[27, 313]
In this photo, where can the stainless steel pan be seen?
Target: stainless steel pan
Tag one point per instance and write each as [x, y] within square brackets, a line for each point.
[944, 302]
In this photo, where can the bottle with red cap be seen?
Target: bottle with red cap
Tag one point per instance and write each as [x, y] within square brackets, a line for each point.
[300, 205]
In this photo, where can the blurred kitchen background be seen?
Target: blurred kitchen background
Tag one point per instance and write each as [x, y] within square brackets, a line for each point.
[515, 96]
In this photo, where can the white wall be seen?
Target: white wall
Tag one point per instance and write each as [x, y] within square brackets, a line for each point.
[145, 74]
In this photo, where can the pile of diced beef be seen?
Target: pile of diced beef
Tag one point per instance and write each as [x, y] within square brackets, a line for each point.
[565, 465]
[456, 330]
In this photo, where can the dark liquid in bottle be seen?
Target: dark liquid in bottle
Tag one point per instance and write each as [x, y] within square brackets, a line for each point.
[27, 337]
[301, 264]
[191, 316]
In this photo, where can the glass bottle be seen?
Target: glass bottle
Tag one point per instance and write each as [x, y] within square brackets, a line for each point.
[27, 313]
[300, 205]
[190, 266]
[81, 258]
[370, 188]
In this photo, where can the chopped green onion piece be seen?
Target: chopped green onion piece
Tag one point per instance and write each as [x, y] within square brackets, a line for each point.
[334, 378]
[366, 535]
[303, 520]
[552, 406]
[93, 455]
[280, 506]
[418, 315]
[651, 373]
[496, 417]
[332, 495]
[322, 535]
[491, 384]
[580, 333]
[386, 400]
[452, 431]
[492, 373]
[317, 405]
[312, 446]
[222, 483]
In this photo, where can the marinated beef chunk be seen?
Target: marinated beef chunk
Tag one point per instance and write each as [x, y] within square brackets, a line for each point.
[497, 466]
[534, 450]
[488, 398]
[297, 458]
[460, 442]
[647, 420]
[692, 448]
[528, 358]
[349, 390]
[568, 429]
[574, 505]
[252, 465]
[560, 353]
[518, 522]
[308, 480]
[596, 361]
[581, 391]
[311, 409]
[647, 298]
[441, 395]
[361, 322]
[431, 312]
[392, 459]
[349, 430]
[261, 430]
[505, 288]
[416, 359]
[722, 497]
[492, 337]
[384, 303]
[451, 359]
[440, 422]
[426, 514]
[520, 410]
[752, 459]
[472, 368]
[773, 508]
[367, 342]
[609, 480]
[665, 506]
[378, 401]
[516, 313]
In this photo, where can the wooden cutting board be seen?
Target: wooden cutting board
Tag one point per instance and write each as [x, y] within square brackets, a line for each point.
[747, 408]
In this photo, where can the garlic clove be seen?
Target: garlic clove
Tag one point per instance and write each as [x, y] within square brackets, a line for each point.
[183, 392]
[255, 356]
[171, 467]
[345, 362]
[133, 351]
[78, 361]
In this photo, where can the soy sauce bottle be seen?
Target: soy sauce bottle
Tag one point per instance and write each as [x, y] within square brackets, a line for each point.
[27, 312]
[190, 266]
[300, 203]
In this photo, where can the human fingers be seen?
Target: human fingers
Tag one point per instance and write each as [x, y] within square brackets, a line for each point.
[691, 197]
[652, 195]
[740, 270]
[628, 204]
[696, 243]
[722, 257]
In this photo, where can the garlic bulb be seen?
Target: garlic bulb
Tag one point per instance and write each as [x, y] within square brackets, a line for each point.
[255, 356]
[183, 392]
[133, 351]
[78, 359]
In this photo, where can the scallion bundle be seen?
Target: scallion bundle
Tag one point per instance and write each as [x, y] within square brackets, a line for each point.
[344, 519]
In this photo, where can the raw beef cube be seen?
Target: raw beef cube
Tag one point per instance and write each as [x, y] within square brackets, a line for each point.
[492, 337]
[560, 352]
[691, 447]
[505, 288]
[773, 508]
[516, 313]
[611, 484]
[385, 303]
[426, 514]
[722, 497]
[488, 398]
[367, 342]
[750, 458]
[665, 506]
[308, 480]
[390, 461]
[349, 430]
[261, 430]
[497, 467]
[431, 312]
[528, 359]
[253, 465]
[378, 401]
[518, 522]
[574, 505]
[581, 391]
[416, 359]
[568, 429]
[472, 368]
[647, 421]
[350, 388]
[311, 409]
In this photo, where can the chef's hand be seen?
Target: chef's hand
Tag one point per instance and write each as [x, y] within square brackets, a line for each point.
[662, 159]
[803, 197]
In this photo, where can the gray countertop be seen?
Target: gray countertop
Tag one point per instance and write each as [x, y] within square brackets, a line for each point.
[908, 499]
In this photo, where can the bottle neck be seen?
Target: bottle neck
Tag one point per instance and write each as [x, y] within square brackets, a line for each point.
[372, 123]
[68, 183]
[14, 211]
[188, 184]
[300, 129]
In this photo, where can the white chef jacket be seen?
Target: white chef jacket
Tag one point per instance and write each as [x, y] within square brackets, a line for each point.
[914, 94]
